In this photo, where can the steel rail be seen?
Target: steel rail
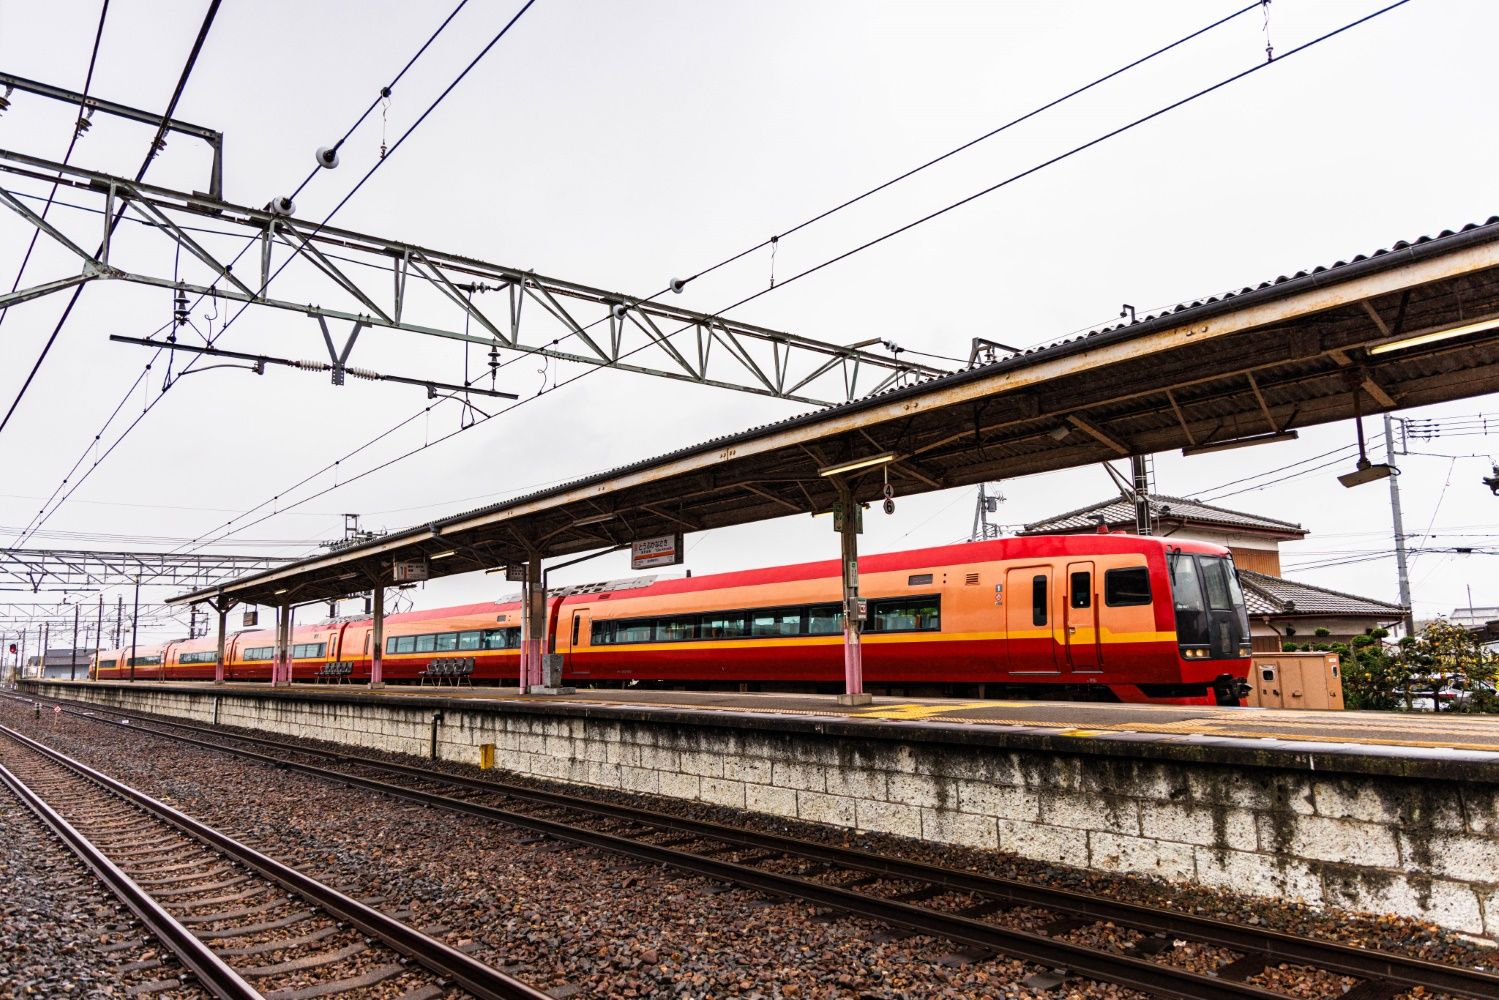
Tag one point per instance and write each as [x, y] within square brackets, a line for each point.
[211, 972]
[1276, 946]
[1136, 973]
[434, 955]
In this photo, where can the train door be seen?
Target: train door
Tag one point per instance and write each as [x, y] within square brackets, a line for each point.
[578, 635]
[1081, 639]
[1030, 633]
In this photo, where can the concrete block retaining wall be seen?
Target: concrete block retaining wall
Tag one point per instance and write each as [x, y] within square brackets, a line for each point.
[1395, 843]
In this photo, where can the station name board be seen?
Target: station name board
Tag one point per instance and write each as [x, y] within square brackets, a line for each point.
[663, 550]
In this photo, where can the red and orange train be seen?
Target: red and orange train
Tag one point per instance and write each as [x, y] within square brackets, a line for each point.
[1108, 616]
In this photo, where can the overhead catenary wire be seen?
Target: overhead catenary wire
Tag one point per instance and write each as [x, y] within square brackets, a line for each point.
[804, 224]
[1304, 47]
[157, 145]
[78, 130]
[43, 514]
[824, 215]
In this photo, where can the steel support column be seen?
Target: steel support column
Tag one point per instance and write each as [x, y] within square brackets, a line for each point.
[282, 662]
[222, 607]
[853, 625]
[533, 626]
[377, 637]
[73, 658]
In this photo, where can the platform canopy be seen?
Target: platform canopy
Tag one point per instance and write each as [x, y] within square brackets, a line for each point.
[1415, 324]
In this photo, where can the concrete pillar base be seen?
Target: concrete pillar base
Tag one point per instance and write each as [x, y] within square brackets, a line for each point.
[856, 699]
[377, 686]
[541, 689]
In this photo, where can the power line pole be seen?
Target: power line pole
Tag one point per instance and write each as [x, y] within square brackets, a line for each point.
[73, 657]
[982, 529]
[1140, 470]
[1401, 569]
[98, 638]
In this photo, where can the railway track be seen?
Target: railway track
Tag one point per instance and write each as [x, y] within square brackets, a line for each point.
[964, 907]
[242, 925]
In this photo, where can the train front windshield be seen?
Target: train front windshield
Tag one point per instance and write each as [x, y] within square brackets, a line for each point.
[1211, 620]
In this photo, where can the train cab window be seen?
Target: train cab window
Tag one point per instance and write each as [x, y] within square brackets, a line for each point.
[905, 614]
[779, 621]
[824, 619]
[1215, 581]
[1038, 599]
[425, 643]
[676, 629]
[1081, 585]
[724, 626]
[446, 642]
[469, 640]
[1126, 587]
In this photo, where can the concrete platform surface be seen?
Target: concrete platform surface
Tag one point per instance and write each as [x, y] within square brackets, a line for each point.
[1407, 729]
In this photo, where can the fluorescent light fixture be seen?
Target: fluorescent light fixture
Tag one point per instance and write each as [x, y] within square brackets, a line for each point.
[281, 591]
[593, 519]
[1243, 442]
[1061, 433]
[1432, 336]
[1366, 473]
[884, 458]
[445, 555]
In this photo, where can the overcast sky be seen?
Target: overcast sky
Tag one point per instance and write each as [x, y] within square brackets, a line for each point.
[620, 144]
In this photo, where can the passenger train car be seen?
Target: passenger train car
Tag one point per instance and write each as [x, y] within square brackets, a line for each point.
[1106, 616]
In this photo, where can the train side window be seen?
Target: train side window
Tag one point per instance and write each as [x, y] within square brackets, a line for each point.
[512, 637]
[778, 621]
[603, 633]
[824, 619]
[1126, 587]
[906, 614]
[494, 638]
[1038, 599]
[1081, 586]
[469, 640]
[425, 643]
[676, 629]
[724, 626]
[108, 663]
[405, 644]
[447, 642]
[577, 625]
[639, 630]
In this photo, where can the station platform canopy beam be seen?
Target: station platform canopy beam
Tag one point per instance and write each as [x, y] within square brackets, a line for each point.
[1412, 325]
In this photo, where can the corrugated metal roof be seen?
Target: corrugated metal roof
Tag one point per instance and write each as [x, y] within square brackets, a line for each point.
[1273, 595]
[1121, 511]
[1166, 317]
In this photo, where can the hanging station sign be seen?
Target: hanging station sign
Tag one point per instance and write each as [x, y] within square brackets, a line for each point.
[409, 570]
[663, 550]
[252, 618]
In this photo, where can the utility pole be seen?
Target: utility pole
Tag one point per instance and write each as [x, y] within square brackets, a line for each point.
[1140, 470]
[982, 529]
[119, 619]
[73, 657]
[135, 617]
[98, 638]
[1401, 569]
[41, 662]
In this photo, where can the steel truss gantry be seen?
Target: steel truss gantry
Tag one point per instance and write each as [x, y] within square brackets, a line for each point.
[429, 292]
[36, 570]
[59, 614]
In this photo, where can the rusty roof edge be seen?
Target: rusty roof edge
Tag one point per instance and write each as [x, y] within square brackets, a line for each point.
[1401, 253]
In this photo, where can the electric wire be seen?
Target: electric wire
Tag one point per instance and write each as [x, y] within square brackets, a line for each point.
[1305, 46]
[804, 224]
[384, 92]
[78, 130]
[156, 146]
